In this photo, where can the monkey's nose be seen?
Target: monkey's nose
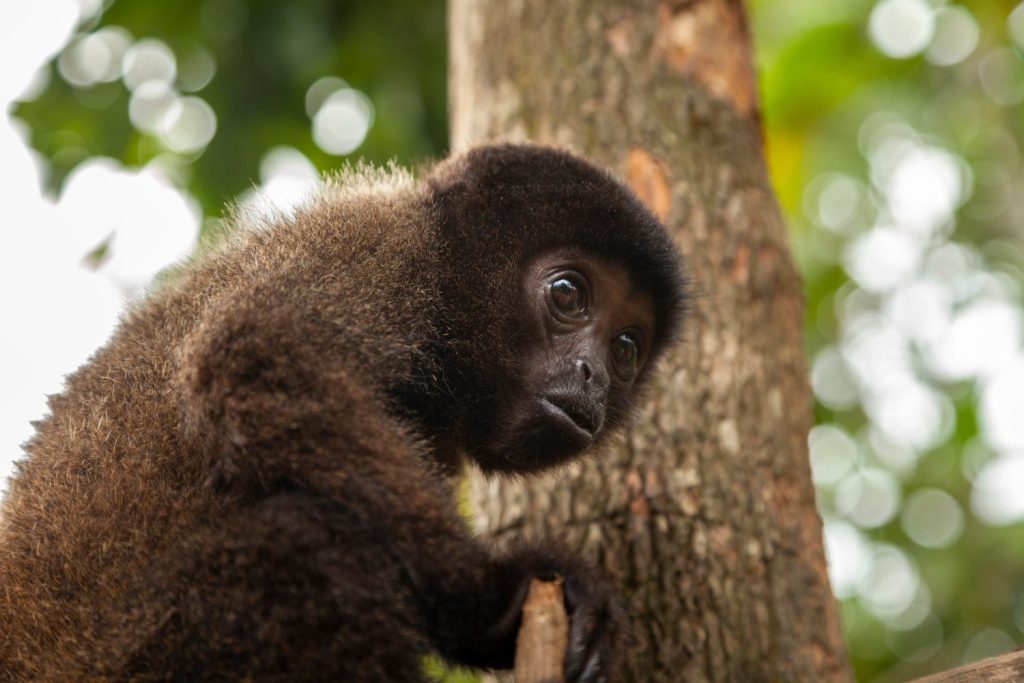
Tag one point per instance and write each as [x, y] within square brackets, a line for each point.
[584, 370]
[592, 375]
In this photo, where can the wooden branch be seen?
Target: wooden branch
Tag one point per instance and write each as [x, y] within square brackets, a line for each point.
[1007, 668]
[543, 636]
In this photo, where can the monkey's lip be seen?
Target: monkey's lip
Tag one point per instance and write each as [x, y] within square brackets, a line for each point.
[563, 418]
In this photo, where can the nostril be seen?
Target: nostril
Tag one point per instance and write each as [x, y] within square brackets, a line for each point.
[584, 369]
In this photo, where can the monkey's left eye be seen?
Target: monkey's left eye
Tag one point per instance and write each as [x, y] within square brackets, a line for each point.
[626, 354]
[568, 296]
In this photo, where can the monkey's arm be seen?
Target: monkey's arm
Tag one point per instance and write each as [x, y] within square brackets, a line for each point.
[278, 415]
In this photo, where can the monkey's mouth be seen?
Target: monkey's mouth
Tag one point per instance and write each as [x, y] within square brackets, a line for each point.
[569, 420]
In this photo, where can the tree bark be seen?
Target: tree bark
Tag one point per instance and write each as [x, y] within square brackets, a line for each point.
[543, 635]
[704, 512]
[1008, 668]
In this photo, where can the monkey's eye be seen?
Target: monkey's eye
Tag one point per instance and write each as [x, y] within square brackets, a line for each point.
[568, 296]
[626, 354]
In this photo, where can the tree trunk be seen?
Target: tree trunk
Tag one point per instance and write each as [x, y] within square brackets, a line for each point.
[704, 513]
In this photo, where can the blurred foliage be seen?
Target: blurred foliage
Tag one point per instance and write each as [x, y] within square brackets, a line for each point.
[267, 55]
[437, 670]
[822, 78]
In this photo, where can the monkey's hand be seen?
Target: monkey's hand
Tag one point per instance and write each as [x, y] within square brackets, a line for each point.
[594, 615]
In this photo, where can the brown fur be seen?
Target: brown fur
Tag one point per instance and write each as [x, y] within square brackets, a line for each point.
[244, 481]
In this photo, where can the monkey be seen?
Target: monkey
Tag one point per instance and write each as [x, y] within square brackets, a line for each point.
[254, 478]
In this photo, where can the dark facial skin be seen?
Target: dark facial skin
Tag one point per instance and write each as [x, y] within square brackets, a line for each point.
[588, 334]
[589, 340]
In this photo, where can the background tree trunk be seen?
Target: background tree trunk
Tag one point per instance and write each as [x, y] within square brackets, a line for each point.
[704, 513]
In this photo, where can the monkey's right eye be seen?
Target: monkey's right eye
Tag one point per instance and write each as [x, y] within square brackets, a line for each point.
[568, 296]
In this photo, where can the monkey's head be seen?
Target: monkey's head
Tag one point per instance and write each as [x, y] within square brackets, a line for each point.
[560, 289]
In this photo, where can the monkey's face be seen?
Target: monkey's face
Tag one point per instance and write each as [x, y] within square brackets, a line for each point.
[587, 339]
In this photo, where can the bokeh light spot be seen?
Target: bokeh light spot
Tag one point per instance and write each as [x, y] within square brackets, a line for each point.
[318, 93]
[196, 70]
[849, 557]
[932, 518]
[882, 258]
[996, 495]
[833, 453]
[911, 413]
[869, 497]
[833, 381]
[95, 58]
[920, 309]
[288, 179]
[188, 125]
[1002, 76]
[149, 60]
[1015, 25]
[986, 643]
[890, 585]
[832, 200]
[981, 339]
[150, 106]
[923, 186]
[956, 36]
[901, 28]
[1001, 409]
[341, 123]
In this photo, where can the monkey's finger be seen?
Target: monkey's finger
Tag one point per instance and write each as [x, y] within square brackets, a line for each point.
[598, 669]
[586, 633]
[593, 672]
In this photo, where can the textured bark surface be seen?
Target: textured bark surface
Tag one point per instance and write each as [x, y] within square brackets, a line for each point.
[1008, 668]
[543, 635]
[704, 513]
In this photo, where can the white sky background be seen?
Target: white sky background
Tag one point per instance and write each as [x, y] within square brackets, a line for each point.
[56, 310]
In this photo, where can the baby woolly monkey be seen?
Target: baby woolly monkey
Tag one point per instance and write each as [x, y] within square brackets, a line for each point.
[252, 479]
